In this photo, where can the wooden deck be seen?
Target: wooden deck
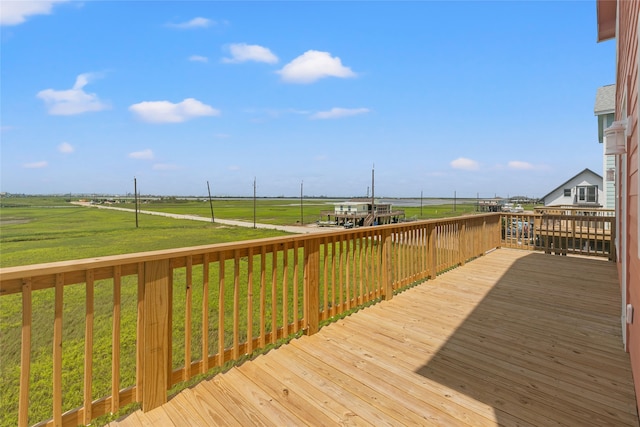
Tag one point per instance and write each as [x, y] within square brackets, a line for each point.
[513, 338]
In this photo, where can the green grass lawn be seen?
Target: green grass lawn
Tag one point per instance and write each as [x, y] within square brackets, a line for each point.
[37, 234]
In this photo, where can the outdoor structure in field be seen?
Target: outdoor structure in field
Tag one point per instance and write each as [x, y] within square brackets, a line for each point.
[581, 190]
[362, 213]
[604, 110]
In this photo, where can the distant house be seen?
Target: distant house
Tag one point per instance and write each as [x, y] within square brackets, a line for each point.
[604, 110]
[362, 213]
[582, 190]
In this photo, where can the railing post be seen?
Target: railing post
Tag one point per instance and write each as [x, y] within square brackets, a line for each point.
[433, 254]
[462, 243]
[387, 277]
[156, 330]
[311, 305]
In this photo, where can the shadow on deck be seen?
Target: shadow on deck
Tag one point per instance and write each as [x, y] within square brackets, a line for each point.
[513, 338]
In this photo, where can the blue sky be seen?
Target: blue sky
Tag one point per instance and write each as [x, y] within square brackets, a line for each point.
[469, 97]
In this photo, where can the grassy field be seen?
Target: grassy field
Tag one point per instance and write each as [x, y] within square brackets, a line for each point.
[286, 211]
[44, 231]
[36, 230]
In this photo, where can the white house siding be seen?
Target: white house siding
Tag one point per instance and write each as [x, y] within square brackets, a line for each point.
[358, 207]
[585, 178]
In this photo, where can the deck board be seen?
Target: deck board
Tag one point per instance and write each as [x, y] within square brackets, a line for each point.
[512, 338]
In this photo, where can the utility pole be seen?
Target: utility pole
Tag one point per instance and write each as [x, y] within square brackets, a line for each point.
[210, 202]
[135, 198]
[420, 203]
[254, 202]
[454, 200]
[301, 204]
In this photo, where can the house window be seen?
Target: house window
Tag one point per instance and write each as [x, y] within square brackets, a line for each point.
[587, 194]
[567, 192]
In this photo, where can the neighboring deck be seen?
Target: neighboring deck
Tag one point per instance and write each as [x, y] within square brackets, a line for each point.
[512, 338]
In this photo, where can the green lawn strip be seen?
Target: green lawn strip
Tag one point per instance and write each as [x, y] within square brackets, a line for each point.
[58, 234]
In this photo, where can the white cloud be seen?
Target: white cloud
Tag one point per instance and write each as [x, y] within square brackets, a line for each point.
[198, 58]
[66, 148]
[465, 164]
[519, 165]
[314, 65]
[234, 168]
[164, 167]
[72, 101]
[35, 165]
[242, 52]
[168, 112]
[17, 12]
[142, 155]
[336, 113]
[198, 22]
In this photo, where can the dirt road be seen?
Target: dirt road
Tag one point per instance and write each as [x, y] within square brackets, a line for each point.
[288, 228]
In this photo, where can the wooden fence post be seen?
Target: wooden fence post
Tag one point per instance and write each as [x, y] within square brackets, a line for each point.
[156, 334]
[311, 305]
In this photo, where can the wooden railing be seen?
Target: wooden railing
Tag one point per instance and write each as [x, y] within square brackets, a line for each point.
[148, 321]
[571, 210]
[554, 231]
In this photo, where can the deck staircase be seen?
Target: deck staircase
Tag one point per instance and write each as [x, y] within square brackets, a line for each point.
[368, 221]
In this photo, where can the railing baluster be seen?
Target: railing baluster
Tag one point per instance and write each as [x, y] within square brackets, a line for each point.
[311, 284]
[325, 279]
[296, 286]
[236, 304]
[274, 293]
[140, 334]
[88, 347]
[334, 298]
[205, 314]
[263, 296]
[361, 296]
[25, 354]
[187, 318]
[115, 339]
[221, 344]
[341, 298]
[250, 300]
[285, 290]
[57, 351]
[348, 273]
